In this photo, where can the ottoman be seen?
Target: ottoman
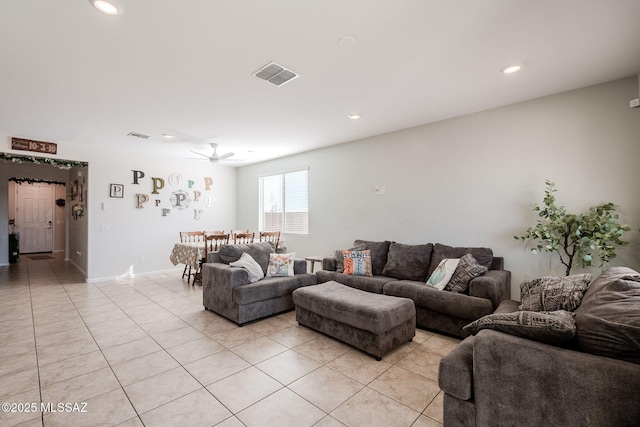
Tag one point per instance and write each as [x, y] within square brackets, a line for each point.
[374, 323]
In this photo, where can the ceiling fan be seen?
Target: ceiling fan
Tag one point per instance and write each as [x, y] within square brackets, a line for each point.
[215, 157]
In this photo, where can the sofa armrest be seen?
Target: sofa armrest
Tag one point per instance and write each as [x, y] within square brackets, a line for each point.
[220, 279]
[527, 383]
[494, 285]
[455, 373]
[329, 264]
[299, 266]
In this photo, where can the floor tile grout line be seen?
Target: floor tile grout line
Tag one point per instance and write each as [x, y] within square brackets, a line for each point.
[35, 345]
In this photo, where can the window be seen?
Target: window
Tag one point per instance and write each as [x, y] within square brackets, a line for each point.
[284, 202]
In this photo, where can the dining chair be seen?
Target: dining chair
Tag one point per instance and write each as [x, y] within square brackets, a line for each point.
[190, 237]
[232, 234]
[240, 238]
[209, 233]
[212, 242]
[270, 236]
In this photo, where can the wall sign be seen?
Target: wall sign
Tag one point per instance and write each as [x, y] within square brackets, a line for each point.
[116, 190]
[36, 146]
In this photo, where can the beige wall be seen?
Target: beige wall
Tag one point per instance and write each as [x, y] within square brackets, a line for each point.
[470, 181]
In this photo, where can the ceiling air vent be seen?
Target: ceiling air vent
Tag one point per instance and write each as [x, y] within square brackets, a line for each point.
[275, 74]
[138, 135]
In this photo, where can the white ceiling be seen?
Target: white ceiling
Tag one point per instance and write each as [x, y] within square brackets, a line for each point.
[69, 74]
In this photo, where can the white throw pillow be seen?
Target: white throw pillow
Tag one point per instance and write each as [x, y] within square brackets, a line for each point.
[249, 264]
[443, 272]
[281, 265]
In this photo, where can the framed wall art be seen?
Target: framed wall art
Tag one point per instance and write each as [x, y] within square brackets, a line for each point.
[116, 190]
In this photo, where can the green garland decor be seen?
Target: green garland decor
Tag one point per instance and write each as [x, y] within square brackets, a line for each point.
[36, 180]
[62, 164]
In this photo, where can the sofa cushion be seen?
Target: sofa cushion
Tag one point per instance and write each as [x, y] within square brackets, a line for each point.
[379, 252]
[340, 257]
[408, 262]
[373, 284]
[259, 252]
[442, 274]
[452, 304]
[281, 265]
[271, 287]
[608, 320]
[484, 256]
[253, 268]
[552, 327]
[357, 263]
[467, 270]
[552, 293]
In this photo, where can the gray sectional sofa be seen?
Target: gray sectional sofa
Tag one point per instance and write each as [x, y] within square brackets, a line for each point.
[402, 270]
[502, 379]
[227, 291]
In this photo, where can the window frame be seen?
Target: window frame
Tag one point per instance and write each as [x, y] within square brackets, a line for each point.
[284, 229]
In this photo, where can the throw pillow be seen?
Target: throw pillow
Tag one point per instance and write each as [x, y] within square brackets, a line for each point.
[468, 269]
[552, 327]
[379, 251]
[340, 257]
[443, 272]
[357, 263]
[552, 293]
[249, 264]
[608, 321]
[281, 265]
[408, 262]
[484, 256]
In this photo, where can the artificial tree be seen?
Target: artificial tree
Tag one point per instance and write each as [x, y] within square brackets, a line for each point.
[576, 238]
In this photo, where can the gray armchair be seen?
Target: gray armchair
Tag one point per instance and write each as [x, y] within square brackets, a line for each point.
[227, 291]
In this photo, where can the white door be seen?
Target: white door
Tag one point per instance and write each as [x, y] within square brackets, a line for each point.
[34, 218]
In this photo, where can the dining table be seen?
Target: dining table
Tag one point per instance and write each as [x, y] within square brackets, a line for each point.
[189, 254]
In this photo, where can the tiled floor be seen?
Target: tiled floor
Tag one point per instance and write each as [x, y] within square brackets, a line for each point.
[143, 351]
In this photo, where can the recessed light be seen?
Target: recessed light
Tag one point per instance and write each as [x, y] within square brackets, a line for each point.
[167, 136]
[354, 116]
[110, 7]
[513, 68]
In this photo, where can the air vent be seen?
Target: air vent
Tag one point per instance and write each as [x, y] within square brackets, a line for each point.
[275, 74]
[138, 135]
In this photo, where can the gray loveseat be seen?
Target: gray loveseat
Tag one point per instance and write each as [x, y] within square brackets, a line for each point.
[402, 270]
[499, 379]
[226, 290]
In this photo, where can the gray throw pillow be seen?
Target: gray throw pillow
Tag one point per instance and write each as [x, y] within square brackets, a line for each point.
[259, 251]
[549, 327]
[340, 257]
[408, 262]
[608, 321]
[379, 251]
[467, 270]
[551, 293]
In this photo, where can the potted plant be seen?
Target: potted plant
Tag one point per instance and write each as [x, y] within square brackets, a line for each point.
[577, 239]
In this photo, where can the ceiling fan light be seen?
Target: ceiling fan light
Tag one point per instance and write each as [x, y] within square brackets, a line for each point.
[110, 7]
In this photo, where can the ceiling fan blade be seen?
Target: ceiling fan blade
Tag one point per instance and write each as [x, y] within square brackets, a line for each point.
[225, 156]
[200, 154]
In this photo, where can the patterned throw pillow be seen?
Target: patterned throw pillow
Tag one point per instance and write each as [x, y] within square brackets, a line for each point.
[552, 293]
[357, 263]
[281, 265]
[550, 327]
[468, 269]
[340, 257]
[443, 272]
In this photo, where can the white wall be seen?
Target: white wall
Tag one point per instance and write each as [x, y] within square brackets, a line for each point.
[121, 239]
[470, 181]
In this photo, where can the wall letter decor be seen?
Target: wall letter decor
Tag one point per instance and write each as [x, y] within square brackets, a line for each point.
[174, 179]
[142, 198]
[165, 211]
[191, 183]
[196, 195]
[198, 213]
[180, 199]
[208, 182]
[158, 184]
[158, 201]
[209, 201]
[136, 176]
